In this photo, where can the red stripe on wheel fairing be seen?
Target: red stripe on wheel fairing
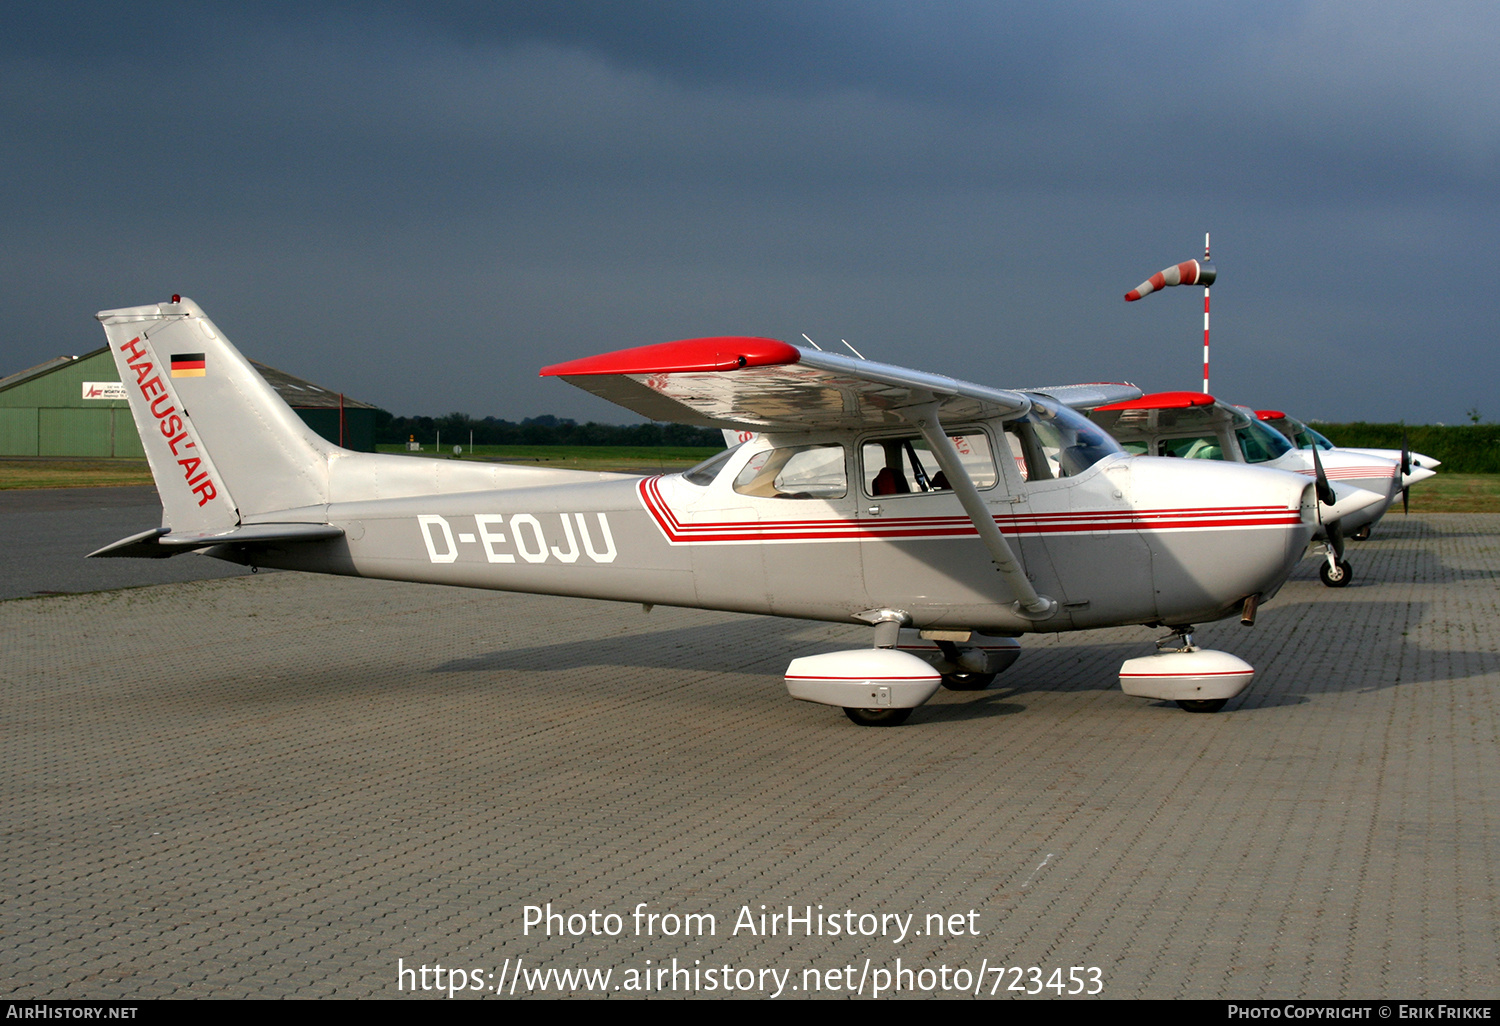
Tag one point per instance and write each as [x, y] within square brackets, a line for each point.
[1215, 673]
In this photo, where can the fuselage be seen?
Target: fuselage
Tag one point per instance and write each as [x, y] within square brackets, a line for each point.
[1419, 467]
[810, 526]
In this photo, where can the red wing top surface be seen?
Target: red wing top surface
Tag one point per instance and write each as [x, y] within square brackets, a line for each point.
[766, 385]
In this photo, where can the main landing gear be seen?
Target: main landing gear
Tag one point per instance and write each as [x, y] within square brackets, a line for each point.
[877, 717]
[968, 681]
[1199, 680]
[880, 686]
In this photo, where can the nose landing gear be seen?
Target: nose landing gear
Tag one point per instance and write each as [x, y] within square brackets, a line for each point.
[1335, 572]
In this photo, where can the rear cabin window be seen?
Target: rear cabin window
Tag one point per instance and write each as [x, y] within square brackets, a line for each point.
[704, 473]
[906, 466]
[1196, 447]
[795, 472]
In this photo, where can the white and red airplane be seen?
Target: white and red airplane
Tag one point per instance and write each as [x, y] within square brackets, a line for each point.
[950, 517]
[1415, 467]
[1195, 425]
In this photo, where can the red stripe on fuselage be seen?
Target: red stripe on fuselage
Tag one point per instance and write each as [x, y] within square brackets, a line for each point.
[921, 528]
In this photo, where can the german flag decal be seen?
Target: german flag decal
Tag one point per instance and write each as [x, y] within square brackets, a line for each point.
[188, 365]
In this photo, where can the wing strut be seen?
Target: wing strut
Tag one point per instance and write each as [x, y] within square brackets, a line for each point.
[1028, 603]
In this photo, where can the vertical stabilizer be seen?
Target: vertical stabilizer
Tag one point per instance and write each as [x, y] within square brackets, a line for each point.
[206, 416]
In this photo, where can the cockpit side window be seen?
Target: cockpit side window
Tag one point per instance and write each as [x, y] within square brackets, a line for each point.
[795, 472]
[1029, 453]
[906, 466]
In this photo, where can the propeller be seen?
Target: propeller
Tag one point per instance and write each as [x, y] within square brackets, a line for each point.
[1334, 529]
[1325, 490]
[1405, 473]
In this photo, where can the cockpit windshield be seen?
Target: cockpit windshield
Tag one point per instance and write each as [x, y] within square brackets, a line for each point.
[1261, 443]
[1305, 437]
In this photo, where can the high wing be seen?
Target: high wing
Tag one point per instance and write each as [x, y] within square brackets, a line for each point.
[762, 384]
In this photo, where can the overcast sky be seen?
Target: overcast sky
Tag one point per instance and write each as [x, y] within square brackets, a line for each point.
[422, 204]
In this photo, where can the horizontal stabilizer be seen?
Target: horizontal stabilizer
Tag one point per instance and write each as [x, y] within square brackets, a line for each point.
[161, 542]
[137, 546]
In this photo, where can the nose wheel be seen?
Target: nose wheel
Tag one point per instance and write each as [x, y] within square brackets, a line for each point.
[1336, 573]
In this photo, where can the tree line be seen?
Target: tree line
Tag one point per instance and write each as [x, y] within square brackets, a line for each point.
[544, 430]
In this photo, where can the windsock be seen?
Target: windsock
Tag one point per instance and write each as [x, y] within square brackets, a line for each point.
[1189, 272]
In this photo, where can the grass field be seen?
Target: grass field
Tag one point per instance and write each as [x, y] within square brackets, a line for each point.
[1446, 493]
[1455, 493]
[71, 473]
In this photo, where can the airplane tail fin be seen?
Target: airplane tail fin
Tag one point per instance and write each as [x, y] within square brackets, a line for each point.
[206, 418]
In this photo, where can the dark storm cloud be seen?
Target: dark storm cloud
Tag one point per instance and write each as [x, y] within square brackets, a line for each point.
[423, 203]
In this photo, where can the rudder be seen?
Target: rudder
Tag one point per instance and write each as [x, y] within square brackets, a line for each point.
[241, 451]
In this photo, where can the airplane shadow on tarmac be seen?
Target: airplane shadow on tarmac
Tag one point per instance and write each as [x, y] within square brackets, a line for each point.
[1372, 568]
[1300, 650]
[1417, 525]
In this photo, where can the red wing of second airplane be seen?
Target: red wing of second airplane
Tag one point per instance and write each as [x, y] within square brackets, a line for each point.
[950, 517]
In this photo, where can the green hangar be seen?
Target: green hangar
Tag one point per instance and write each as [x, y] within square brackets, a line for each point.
[75, 406]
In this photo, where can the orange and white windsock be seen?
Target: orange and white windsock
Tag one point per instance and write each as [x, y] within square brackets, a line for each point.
[1189, 272]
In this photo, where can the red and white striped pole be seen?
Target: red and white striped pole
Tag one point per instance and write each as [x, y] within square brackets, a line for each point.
[1205, 317]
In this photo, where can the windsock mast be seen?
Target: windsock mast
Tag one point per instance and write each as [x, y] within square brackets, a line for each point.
[1189, 272]
[1206, 284]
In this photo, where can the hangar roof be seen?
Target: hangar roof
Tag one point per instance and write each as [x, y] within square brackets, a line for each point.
[299, 393]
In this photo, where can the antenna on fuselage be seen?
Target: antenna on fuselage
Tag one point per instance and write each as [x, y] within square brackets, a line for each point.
[812, 343]
[856, 352]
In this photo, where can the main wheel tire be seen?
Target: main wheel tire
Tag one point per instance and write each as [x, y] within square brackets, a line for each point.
[878, 717]
[968, 681]
[1363, 534]
[1336, 578]
[1201, 705]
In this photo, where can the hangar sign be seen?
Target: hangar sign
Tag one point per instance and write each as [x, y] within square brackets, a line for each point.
[104, 390]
